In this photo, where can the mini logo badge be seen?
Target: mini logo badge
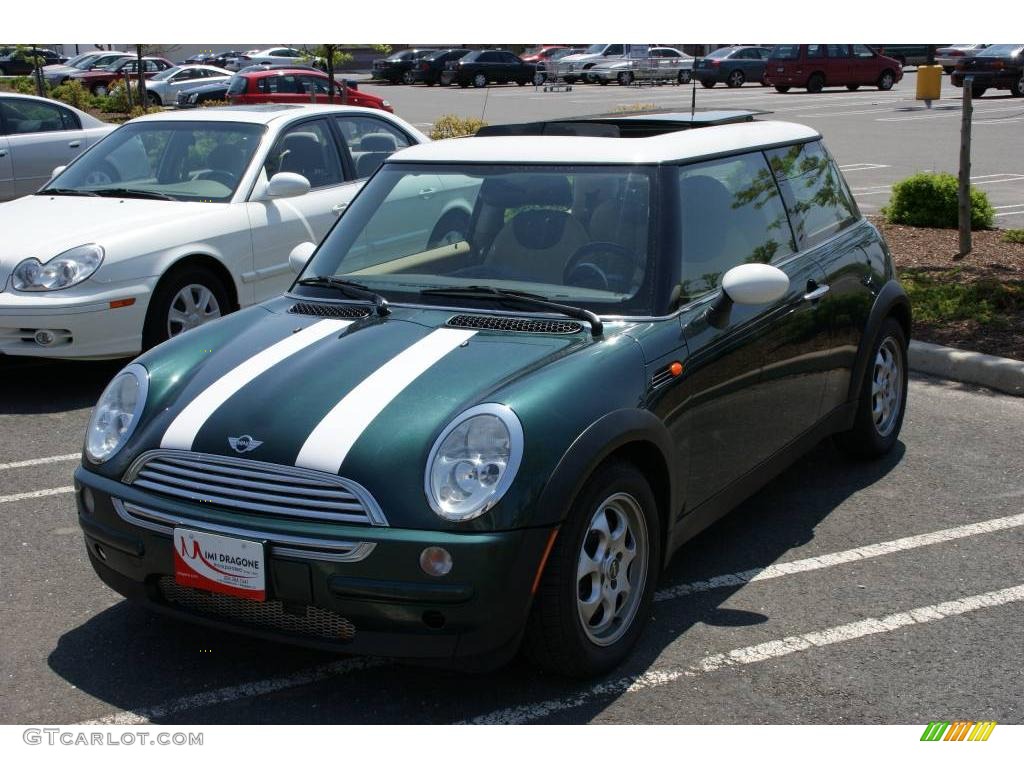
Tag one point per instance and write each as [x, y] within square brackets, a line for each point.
[245, 443]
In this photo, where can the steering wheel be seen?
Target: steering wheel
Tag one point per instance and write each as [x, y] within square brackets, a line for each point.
[602, 265]
[226, 178]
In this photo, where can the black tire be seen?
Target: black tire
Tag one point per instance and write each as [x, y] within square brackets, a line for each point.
[409, 77]
[155, 330]
[479, 80]
[3, 72]
[1017, 86]
[152, 100]
[625, 78]
[815, 83]
[865, 440]
[852, 87]
[100, 90]
[782, 88]
[978, 91]
[708, 83]
[684, 77]
[949, 70]
[736, 78]
[448, 227]
[886, 80]
[555, 638]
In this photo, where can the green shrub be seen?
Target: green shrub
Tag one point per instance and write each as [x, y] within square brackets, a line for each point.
[1014, 236]
[453, 126]
[116, 99]
[24, 84]
[73, 93]
[930, 200]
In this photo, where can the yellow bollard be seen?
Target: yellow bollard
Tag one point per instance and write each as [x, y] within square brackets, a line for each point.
[929, 82]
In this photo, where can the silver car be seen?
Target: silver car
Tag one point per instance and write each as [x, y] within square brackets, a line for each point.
[38, 135]
[948, 57]
[660, 64]
[163, 88]
[55, 74]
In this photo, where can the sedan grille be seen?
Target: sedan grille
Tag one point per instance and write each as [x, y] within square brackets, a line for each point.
[307, 620]
[243, 485]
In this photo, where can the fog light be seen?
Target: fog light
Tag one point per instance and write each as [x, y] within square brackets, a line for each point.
[88, 501]
[435, 561]
[45, 338]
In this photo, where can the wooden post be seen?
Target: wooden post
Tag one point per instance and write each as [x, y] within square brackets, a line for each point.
[964, 191]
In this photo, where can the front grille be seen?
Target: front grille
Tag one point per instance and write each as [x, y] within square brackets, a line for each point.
[515, 324]
[328, 310]
[271, 614]
[243, 485]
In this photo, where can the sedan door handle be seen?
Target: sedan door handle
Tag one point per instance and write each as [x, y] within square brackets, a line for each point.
[816, 294]
[337, 209]
[427, 191]
[3, 153]
[74, 144]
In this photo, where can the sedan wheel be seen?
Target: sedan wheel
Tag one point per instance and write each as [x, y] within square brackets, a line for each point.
[1017, 88]
[684, 76]
[189, 296]
[409, 77]
[736, 79]
[479, 81]
[192, 306]
[99, 90]
[625, 78]
[886, 80]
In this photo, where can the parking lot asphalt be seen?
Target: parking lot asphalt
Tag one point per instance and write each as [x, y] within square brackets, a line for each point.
[877, 137]
[843, 592]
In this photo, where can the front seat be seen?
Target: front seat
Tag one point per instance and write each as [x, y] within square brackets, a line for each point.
[302, 154]
[375, 148]
[227, 158]
[537, 243]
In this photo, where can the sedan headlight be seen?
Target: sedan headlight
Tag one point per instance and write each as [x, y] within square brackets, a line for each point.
[117, 413]
[474, 461]
[62, 271]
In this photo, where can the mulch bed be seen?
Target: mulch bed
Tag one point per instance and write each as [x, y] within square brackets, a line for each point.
[934, 252]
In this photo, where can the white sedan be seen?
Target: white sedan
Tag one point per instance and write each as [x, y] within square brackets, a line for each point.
[163, 88]
[177, 218]
[279, 55]
[36, 135]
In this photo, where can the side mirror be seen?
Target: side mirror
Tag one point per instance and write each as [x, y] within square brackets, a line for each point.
[287, 185]
[57, 171]
[300, 255]
[747, 284]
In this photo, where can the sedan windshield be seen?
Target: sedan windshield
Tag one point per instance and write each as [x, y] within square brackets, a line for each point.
[200, 161]
[579, 235]
[596, 48]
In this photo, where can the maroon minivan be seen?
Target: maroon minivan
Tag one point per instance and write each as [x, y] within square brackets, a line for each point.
[815, 66]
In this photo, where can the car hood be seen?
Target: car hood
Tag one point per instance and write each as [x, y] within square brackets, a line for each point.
[575, 58]
[364, 399]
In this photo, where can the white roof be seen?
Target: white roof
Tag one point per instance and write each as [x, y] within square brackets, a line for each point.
[256, 113]
[667, 147]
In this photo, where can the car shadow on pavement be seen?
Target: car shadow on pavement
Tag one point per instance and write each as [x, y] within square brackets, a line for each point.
[52, 386]
[132, 659]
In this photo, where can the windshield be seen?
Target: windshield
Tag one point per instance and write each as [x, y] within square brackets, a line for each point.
[200, 161]
[1011, 49]
[785, 52]
[580, 235]
[596, 48]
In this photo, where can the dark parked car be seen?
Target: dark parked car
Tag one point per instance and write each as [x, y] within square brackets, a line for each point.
[908, 55]
[733, 65]
[398, 67]
[430, 68]
[100, 81]
[816, 66]
[478, 68]
[193, 97]
[448, 449]
[999, 66]
[12, 63]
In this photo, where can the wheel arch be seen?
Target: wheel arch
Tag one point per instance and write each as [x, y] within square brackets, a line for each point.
[215, 265]
[892, 301]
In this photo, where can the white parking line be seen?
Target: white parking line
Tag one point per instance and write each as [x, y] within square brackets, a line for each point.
[655, 678]
[44, 460]
[1010, 213]
[237, 692]
[951, 113]
[841, 558]
[37, 494]
[862, 167]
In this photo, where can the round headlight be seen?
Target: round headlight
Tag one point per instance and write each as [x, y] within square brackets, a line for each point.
[474, 461]
[117, 413]
[62, 271]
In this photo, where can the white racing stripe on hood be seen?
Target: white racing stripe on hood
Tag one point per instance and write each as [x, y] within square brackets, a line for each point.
[190, 420]
[329, 443]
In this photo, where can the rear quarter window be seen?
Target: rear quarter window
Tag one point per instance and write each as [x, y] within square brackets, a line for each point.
[786, 52]
[815, 193]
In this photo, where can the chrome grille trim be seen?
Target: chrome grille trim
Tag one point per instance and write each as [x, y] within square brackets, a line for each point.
[302, 547]
[254, 486]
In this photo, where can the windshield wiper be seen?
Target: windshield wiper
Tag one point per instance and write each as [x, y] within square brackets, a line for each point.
[352, 289]
[125, 192]
[520, 297]
[66, 191]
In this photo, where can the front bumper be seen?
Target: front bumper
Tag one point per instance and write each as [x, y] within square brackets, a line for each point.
[350, 588]
[84, 324]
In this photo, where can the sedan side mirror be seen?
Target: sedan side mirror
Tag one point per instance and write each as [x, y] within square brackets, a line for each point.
[747, 284]
[57, 171]
[299, 256]
[287, 184]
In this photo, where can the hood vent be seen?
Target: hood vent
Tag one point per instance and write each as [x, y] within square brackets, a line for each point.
[514, 324]
[329, 310]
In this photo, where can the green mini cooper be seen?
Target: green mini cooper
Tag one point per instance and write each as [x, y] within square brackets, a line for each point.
[451, 447]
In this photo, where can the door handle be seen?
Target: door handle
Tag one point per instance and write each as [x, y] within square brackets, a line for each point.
[427, 191]
[74, 144]
[339, 208]
[3, 153]
[816, 294]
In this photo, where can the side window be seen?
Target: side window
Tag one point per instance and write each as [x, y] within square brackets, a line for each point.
[69, 119]
[863, 52]
[815, 51]
[487, 57]
[838, 51]
[614, 50]
[732, 213]
[307, 149]
[818, 200]
[370, 141]
[748, 53]
[30, 116]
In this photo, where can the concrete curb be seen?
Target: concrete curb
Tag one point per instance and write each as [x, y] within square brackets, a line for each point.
[999, 373]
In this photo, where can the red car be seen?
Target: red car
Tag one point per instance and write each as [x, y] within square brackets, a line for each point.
[297, 86]
[818, 65]
[541, 53]
[99, 81]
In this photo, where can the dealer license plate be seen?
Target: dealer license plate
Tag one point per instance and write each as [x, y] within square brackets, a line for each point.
[220, 564]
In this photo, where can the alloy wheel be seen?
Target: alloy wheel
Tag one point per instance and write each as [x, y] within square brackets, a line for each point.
[193, 305]
[612, 569]
[887, 386]
[736, 79]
